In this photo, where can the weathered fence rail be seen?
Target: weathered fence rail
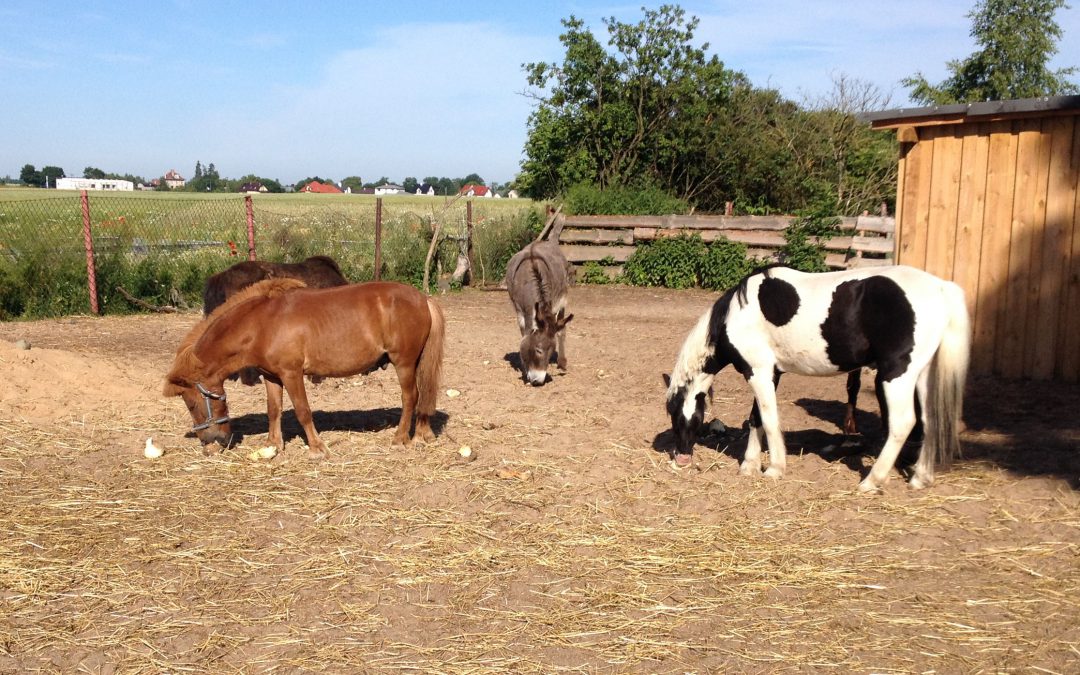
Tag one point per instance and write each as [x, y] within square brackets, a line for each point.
[865, 240]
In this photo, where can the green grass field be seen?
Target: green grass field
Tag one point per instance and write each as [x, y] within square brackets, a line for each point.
[160, 246]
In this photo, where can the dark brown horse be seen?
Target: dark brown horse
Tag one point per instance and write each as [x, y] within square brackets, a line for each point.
[318, 271]
[288, 331]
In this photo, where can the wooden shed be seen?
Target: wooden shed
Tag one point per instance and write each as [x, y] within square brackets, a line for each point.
[987, 196]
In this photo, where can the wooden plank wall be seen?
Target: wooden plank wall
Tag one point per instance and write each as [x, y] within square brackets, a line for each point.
[994, 207]
[866, 240]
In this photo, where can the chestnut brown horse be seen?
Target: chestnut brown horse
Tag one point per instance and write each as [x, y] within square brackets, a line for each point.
[288, 331]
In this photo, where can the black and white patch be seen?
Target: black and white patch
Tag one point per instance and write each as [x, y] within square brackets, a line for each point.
[779, 301]
[870, 321]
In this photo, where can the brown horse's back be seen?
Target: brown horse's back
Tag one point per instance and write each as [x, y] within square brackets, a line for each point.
[318, 271]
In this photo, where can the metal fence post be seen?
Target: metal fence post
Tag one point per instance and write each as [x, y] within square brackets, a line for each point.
[88, 243]
[250, 209]
[378, 238]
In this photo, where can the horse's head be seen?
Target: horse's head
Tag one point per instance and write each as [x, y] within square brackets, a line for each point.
[208, 409]
[686, 407]
[538, 344]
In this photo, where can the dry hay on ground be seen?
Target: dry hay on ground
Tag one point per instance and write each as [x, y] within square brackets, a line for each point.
[568, 545]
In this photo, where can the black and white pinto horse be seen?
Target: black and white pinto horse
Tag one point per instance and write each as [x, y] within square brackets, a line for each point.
[912, 326]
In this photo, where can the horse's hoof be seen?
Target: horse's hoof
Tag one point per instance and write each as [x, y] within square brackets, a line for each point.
[774, 473]
[918, 482]
[749, 470]
[868, 487]
[317, 455]
[681, 460]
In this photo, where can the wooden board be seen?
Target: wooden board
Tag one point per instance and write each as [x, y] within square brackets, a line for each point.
[582, 253]
[969, 218]
[1068, 365]
[944, 199]
[911, 247]
[596, 236]
[1023, 229]
[1052, 256]
[994, 253]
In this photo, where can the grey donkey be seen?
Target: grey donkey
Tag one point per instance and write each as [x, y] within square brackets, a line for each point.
[537, 278]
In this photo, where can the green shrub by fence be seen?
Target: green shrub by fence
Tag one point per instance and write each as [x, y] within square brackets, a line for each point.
[157, 250]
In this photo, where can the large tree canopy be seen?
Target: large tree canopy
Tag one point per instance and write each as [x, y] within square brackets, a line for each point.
[1016, 40]
[635, 115]
[652, 109]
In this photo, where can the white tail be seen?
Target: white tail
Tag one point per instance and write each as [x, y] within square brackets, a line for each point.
[948, 377]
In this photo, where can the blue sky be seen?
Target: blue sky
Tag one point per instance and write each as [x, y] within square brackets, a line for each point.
[288, 90]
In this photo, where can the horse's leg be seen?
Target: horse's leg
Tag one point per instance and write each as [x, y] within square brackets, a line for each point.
[751, 463]
[274, 396]
[560, 346]
[294, 384]
[407, 379]
[883, 405]
[923, 475]
[899, 395]
[765, 393]
[854, 381]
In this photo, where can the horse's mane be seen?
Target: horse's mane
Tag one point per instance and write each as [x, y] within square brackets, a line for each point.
[326, 260]
[740, 288]
[185, 361]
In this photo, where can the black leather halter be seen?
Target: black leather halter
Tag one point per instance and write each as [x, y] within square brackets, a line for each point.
[207, 396]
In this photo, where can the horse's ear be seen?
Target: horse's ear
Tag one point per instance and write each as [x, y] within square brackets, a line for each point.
[667, 380]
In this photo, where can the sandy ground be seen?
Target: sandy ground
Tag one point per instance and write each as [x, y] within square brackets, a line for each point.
[568, 544]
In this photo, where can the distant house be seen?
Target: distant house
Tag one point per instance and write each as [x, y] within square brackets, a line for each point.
[174, 180]
[93, 184]
[316, 187]
[512, 194]
[426, 189]
[389, 189]
[253, 186]
[473, 190]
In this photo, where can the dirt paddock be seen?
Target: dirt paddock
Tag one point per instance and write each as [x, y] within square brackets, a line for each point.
[568, 545]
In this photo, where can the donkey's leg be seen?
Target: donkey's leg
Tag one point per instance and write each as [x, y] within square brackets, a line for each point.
[560, 346]
[900, 397]
[407, 380]
[923, 475]
[294, 384]
[274, 396]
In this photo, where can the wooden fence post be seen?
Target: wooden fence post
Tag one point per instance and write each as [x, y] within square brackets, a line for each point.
[467, 280]
[250, 209]
[378, 238]
[88, 243]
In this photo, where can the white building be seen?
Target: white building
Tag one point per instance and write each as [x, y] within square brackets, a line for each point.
[389, 189]
[93, 184]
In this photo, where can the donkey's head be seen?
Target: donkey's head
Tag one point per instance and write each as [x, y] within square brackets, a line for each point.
[538, 344]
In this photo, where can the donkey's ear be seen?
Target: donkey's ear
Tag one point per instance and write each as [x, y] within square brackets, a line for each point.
[562, 321]
[667, 380]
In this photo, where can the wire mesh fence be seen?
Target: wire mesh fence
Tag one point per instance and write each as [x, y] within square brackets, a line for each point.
[105, 253]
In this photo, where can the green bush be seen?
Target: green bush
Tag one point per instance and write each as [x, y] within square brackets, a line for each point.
[587, 200]
[799, 251]
[671, 262]
[686, 261]
[724, 265]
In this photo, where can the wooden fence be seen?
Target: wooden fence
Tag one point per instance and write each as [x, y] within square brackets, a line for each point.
[865, 240]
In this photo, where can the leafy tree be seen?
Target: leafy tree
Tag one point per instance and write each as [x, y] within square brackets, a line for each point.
[410, 184]
[31, 176]
[50, 173]
[354, 182]
[472, 178]
[198, 170]
[93, 172]
[1016, 40]
[639, 115]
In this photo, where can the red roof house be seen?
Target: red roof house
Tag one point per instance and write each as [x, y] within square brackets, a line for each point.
[320, 188]
[473, 190]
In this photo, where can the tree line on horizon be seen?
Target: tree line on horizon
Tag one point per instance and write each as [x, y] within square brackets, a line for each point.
[208, 179]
